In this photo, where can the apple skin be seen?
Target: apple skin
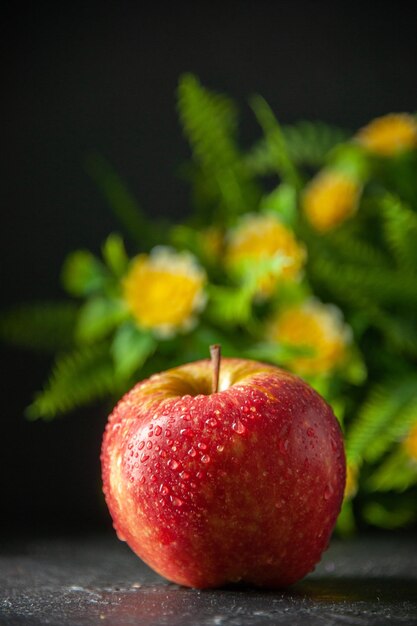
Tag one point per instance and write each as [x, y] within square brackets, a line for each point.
[243, 485]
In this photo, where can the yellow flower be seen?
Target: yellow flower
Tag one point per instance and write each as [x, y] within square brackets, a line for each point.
[314, 326]
[164, 290]
[351, 486]
[264, 239]
[410, 443]
[330, 199]
[390, 134]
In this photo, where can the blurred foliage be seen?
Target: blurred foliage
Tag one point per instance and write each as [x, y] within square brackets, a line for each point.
[315, 271]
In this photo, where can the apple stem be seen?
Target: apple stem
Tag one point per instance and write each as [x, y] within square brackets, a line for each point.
[215, 353]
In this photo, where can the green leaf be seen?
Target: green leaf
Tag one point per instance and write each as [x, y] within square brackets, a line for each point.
[354, 370]
[98, 317]
[400, 231]
[203, 337]
[78, 378]
[346, 524]
[385, 403]
[45, 326]
[357, 285]
[351, 159]
[395, 516]
[229, 306]
[186, 238]
[309, 143]
[283, 202]
[350, 247]
[121, 201]
[276, 142]
[115, 256]
[130, 349]
[396, 473]
[209, 121]
[399, 332]
[83, 274]
[277, 353]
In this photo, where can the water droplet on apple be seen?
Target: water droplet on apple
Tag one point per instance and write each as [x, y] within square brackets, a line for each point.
[205, 458]
[186, 417]
[157, 448]
[177, 501]
[130, 446]
[328, 492]
[167, 433]
[158, 431]
[310, 432]
[170, 442]
[211, 422]
[238, 427]
[141, 480]
[192, 452]
[220, 448]
[202, 445]
[144, 457]
[162, 454]
[283, 446]
[333, 443]
[164, 489]
[131, 479]
[186, 432]
[141, 445]
[184, 475]
[173, 464]
[149, 445]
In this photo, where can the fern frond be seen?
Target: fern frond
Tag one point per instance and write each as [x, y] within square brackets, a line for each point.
[45, 326]
[396, 473]
[308, 143]
[399, 332]
[395, 430]
[276, 143]
[380, 418]
[77, 378]
[209, 122]
[400, 231]
[351, 248]
[260, 160]
[353, 283]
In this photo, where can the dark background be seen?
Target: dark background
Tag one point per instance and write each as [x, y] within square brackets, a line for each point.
[103, 76]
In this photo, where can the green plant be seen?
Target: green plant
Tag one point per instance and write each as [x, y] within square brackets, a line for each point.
[317, 274]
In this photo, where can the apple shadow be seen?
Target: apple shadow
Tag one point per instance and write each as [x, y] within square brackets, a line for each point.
[342, 599]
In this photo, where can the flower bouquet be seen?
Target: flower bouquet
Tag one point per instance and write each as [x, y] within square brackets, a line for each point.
[299, 251]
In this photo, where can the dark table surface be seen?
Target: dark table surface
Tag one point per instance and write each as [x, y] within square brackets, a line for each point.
[370, 580]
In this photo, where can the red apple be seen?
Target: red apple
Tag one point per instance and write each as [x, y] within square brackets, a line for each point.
[244, 484]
